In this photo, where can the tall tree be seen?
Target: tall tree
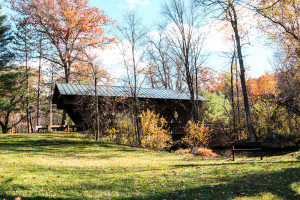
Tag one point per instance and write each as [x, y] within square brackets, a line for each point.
[11, 85]
[69, 25]
[229, 12]
[182, 35]
[133, 32]
[41, 51]
[95, 71]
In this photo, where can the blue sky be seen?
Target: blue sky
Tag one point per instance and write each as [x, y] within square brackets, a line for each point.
[149, 9]
[258, 55]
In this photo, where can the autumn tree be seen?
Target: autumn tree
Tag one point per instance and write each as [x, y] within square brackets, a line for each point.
[280, 20]
[69, 25]
[227, 10]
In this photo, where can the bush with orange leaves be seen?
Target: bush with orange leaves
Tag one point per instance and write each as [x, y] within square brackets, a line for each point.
[205, 152]
[196, 135]
[155, 134]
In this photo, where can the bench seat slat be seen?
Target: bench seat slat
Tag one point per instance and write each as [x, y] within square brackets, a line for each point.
[247, 149]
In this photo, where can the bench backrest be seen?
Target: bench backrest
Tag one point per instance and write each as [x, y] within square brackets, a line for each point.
[245, 145]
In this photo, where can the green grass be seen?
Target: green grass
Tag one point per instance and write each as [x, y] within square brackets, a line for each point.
[68, 166]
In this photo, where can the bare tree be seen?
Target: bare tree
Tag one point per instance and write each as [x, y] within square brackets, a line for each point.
[41, 51]
[133, 32]
[182, 35]
[227, 9]
[97, 74]
[23, 47]
[161, 72]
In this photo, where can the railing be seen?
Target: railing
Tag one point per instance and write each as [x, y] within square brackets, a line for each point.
[68, 128]
[175, 128]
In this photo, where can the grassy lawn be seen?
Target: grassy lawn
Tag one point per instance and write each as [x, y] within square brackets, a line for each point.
[68, 166]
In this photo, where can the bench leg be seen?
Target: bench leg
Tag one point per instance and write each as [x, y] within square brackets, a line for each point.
[260, 155]
[233, 155]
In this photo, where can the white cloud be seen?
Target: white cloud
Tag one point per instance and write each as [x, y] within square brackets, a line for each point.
[217, 36]
[113, 60]
[214, 35]
[131, 4]
[218, 39]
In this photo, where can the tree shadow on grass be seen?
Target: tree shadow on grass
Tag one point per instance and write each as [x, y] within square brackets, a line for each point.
[66, 147]
[36, 198]
[236, 163]
[255, 184]
[278, 184]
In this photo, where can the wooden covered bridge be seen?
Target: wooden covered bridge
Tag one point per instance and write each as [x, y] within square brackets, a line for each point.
[174, 106]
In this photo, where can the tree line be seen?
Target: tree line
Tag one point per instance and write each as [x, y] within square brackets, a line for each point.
[54, 40]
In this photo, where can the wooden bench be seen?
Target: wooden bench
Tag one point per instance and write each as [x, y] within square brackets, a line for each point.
[246, 146]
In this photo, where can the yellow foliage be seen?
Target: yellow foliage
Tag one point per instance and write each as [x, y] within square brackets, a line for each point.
[154, 134]
[183, 151]
[112, 131]
[196, 134]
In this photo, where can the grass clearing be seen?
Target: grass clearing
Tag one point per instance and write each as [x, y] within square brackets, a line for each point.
[68, 166]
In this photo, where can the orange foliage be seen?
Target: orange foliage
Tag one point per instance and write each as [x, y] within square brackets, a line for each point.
[208, 79]
[69, 25]
[265, 85]
[72, 20]
[205, 152]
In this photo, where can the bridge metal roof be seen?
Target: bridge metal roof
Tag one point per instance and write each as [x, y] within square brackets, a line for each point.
[122, 91]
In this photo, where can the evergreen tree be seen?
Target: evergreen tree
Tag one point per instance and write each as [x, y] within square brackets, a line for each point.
[6, 38]
[11, 79]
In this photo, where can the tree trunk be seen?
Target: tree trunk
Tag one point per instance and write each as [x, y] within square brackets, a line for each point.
[51, 89]
[39, 84]
[64, 117]
[232, 93]
[96, 109]
[136, 109]
[238, 121]
[234, 24]
[4, 125]
[27, 83]
[5, 129]
[31, 124]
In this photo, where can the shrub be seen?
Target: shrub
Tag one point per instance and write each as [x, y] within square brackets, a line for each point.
[155, 134]
[205, 152]
[196, 135]
[123, 131]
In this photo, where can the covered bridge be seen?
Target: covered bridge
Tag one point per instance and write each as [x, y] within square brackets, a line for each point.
[175, 106]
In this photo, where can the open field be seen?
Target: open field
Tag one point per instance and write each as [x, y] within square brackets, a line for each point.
[68, 166]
